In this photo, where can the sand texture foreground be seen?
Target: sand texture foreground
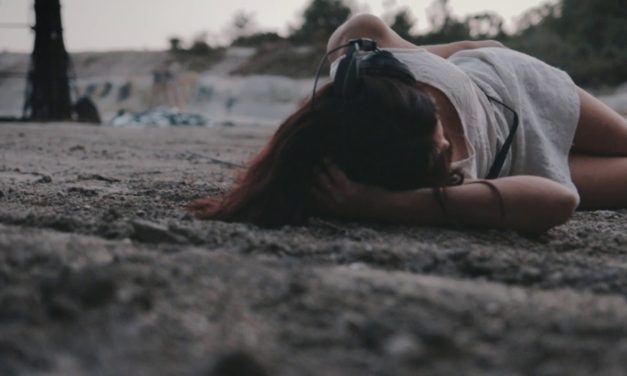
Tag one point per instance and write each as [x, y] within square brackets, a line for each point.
[102, 272]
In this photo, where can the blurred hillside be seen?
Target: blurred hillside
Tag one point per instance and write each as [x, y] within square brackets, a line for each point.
[133, 82]
[262, 76]
[585, 38]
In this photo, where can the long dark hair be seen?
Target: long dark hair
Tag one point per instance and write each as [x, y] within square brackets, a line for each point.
[384, 136]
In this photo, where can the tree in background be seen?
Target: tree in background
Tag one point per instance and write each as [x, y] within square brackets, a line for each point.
[439, 13]
[602, 23]
[445, 27]
[175, 44]
[244, 32]
[402, 22]
[320, 19]
[243, 23]
[487, 25]
[546, 13]
[199, 45]
[585, 38]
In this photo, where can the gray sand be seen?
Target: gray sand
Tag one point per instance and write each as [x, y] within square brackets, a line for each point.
[103, 272]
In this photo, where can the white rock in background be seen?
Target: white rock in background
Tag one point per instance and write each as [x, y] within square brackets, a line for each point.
[159, 117]
[213, 94]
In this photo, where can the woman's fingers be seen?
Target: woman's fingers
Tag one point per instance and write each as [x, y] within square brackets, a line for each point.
[323, 181]
[319, 195]
[323, 200]
[334, 182]
[337, 175]
[331, 186]
[326, 187]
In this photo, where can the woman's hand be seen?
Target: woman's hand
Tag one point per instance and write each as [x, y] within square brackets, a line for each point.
[334, 193]
[530, 204]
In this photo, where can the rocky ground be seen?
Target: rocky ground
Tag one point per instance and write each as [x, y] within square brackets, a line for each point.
[103, 272]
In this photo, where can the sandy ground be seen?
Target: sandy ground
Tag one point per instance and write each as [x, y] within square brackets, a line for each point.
[102, 272]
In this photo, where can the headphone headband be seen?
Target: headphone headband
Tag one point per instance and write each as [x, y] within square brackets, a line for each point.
[355, 64]
[376, 62]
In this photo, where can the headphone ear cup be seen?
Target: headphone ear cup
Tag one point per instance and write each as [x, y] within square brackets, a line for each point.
[380, 63]
[347, 81]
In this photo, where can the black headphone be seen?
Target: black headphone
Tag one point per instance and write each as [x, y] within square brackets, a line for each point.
[355, 64]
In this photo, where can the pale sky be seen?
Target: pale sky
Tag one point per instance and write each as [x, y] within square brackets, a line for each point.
[95, 25]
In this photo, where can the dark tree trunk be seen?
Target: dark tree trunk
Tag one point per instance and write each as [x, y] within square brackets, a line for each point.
[48, 89]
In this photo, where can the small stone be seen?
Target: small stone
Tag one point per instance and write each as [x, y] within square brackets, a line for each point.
[44, 179]
[92, 287]
[18, 304]
[531, 274]
[237, 363]
[404, 347]
[62, 307]
[150, 232]
[556, 277]
[492, 308]
[458, 254]
[111, 215]
[72, 291]
[357, 265]
[350, 323]
[88, 192]
[97, 177]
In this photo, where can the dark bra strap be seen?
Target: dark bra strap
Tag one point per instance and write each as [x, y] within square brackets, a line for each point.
[501, 155]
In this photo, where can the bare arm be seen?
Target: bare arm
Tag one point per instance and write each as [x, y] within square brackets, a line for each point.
[369, 26]
[531, 203]
[448, 49]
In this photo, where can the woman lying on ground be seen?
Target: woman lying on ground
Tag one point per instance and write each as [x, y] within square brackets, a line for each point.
[418, 152]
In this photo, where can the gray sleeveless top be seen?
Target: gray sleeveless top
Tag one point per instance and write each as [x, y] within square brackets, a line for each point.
[544, 97]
